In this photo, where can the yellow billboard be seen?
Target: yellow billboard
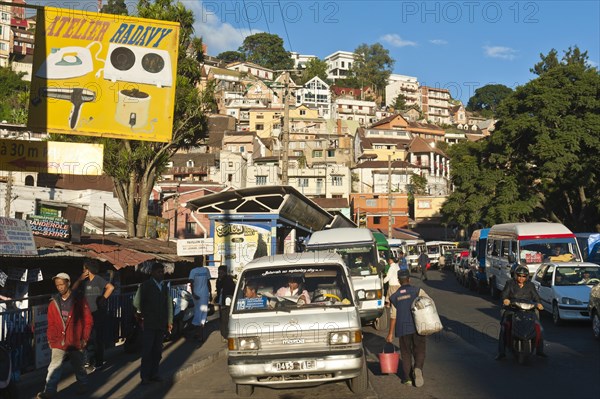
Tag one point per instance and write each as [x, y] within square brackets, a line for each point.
[103, 75]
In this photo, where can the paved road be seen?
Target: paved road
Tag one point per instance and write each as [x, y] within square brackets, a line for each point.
[460, 360]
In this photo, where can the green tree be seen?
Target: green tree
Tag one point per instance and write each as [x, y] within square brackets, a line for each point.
[372, 66]
[314, 67]
[487, 98]
[266, 50]
[540, 163]
[116, 7]
[134, 166]
[14, 95]
[399, 103]
[231, 56]
[549, 128]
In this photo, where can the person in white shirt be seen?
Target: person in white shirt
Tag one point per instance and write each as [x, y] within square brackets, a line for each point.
[391, 278]
[293, 288]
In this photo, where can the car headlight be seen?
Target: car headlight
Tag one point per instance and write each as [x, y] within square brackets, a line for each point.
[345, 337]
[570, 301]
[244, 343]
[373, 294]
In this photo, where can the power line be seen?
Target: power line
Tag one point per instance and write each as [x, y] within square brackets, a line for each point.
[285, 26]
[247, 19]
[266, 16]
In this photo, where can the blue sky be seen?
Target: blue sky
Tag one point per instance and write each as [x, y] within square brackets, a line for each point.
[459, 45]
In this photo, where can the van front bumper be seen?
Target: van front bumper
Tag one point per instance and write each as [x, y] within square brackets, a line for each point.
[262, 370]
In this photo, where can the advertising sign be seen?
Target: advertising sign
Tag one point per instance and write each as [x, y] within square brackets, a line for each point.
[42, 349]
[51, 157]
[236, 244]
[16, 237]
[195, 246]
[103, 75]
[50, 227]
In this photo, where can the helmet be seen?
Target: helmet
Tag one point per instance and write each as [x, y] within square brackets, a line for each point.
[521, 270]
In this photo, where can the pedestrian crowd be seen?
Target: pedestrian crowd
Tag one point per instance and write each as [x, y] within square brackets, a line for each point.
[77, 316]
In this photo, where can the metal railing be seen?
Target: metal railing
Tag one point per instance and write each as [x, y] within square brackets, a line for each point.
[17, 327]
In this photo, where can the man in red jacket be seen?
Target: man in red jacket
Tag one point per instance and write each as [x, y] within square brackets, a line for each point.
[69, 327]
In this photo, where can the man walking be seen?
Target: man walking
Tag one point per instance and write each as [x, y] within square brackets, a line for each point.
[200, 281]
[155, 306]
[96, 291]
[412, 345]
[423, 261]
[69, 328]
[225, 288]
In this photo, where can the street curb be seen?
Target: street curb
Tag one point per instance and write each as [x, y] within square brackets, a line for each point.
[197, 366]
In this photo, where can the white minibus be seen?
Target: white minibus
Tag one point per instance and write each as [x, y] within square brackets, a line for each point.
[530, 244]
[358, 249]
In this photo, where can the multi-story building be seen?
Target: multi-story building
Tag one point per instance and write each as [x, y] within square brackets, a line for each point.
[357, 110]
[228, 85]
[374, 143]
[266, 121]
[316, 94]
[300, 60]
[426, 131]
[408, 86]
[433, 164]
[339, 64]
[373, 176]
[239, 108]
[251, 69]
[5, 35]
[372, 210]
[435, 104]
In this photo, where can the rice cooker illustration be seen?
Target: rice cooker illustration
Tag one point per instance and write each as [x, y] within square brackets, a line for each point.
[68, 62]
[133, 108]
[138, 65]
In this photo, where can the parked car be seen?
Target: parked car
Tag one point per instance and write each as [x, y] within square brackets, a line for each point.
[594, 309]
[564, 288]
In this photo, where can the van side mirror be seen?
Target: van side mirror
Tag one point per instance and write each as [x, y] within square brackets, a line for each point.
[512, 258]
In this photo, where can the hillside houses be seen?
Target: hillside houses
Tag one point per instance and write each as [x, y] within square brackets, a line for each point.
[341, 140]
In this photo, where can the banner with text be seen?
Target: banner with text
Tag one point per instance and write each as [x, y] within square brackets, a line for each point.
[103, 75]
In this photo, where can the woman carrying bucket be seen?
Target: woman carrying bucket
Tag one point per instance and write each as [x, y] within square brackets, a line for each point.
[412, 345]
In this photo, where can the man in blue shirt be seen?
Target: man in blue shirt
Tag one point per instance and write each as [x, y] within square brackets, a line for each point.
[412, 345]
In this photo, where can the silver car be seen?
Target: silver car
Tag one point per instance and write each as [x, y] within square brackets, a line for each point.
[294, 322]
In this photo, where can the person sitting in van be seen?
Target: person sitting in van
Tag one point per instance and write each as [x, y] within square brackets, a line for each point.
[250, 290]
[294, 288]
[560, 255]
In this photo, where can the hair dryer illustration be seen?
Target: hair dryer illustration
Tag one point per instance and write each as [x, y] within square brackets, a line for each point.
[77, 96]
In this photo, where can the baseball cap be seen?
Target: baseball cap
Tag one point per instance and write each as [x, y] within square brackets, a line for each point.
[403, 273]
[63, 276]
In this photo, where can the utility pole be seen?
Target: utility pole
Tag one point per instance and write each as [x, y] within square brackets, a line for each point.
[8, 195]
[389, 196]
[286, 130]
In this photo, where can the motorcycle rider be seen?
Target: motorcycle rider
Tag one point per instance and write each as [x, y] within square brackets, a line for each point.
[520, 289]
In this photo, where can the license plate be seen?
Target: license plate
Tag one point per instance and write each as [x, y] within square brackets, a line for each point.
[295, 365]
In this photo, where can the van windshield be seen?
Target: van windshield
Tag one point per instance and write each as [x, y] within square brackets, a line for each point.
[549, 250]
[288, 288]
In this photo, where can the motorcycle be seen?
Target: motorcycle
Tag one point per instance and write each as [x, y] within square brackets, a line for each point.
[183, 312]
[8, 386]
[522, 330]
